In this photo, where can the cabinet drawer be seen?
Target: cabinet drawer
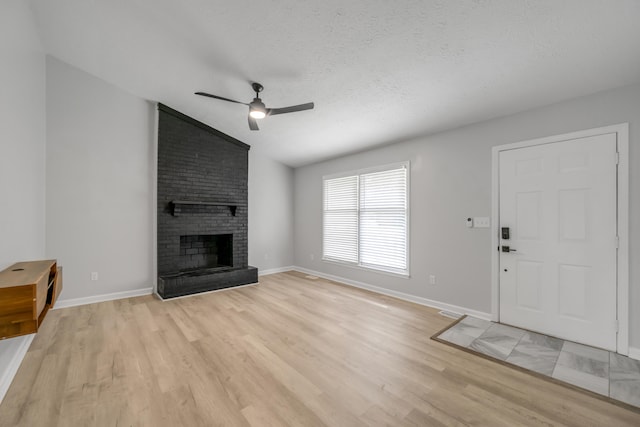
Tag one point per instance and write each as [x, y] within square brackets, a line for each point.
[16, 304]
[10, 330]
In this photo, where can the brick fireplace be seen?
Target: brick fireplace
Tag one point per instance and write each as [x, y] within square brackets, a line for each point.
[202, 207]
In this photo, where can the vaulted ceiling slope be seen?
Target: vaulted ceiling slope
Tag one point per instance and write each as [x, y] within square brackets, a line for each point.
[378, 71]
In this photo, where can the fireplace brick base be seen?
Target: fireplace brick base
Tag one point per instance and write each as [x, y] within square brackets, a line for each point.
[187, 283]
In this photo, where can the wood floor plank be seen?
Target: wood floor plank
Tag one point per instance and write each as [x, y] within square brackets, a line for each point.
[291, 351]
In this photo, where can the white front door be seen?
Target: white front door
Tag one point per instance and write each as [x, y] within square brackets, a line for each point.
[558, 202]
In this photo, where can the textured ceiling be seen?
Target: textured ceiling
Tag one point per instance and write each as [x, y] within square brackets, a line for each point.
[378, 71]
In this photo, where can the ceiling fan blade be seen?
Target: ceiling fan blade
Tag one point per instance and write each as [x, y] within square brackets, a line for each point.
[219, 97]
[253, 125]
[292, 109]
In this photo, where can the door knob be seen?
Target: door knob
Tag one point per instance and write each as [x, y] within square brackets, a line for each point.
[507, 249]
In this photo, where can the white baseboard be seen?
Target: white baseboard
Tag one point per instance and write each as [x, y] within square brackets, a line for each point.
[8, 372]
[634, 353]
[101, 298]
[275, 270]
[400, 295]
[139, 292]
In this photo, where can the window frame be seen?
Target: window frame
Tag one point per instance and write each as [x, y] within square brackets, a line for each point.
[357, 265]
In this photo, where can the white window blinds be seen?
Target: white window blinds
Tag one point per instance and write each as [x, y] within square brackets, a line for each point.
[366, 219]
[340, 230]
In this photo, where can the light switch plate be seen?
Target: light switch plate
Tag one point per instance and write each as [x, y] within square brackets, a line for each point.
[482, 222]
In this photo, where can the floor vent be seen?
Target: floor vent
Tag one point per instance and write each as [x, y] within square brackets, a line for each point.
[450, 314]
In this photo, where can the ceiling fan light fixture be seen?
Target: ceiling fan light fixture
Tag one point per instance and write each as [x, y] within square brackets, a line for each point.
[257, 109]
[257, 113]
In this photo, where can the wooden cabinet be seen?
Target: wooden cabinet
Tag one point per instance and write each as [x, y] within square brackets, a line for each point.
[27, 291]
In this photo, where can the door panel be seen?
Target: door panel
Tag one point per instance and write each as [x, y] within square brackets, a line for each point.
[573, 290]
[528, 215]
[573, 214]
[528, 283]
[559, 200]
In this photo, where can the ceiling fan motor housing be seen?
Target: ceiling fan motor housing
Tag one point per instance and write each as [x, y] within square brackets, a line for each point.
[257, 104]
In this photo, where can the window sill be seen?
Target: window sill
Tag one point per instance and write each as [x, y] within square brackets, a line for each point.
[368, 269]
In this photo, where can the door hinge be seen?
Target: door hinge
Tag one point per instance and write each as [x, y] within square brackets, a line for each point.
[617, 242]
[617, 157]
[616, 325]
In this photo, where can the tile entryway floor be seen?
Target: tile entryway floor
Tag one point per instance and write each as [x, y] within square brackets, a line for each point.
[599, 371]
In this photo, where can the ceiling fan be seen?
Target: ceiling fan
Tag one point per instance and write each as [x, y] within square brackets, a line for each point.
[257, 109]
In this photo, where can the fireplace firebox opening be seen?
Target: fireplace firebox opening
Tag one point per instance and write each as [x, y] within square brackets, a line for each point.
[205, 251]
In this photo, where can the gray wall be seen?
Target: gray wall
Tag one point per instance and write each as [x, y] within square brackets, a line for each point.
[99, 172]
[22, 136]
[450, 181]
[270, 213]
[22, 149]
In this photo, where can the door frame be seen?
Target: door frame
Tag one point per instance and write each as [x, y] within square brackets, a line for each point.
[622, 131]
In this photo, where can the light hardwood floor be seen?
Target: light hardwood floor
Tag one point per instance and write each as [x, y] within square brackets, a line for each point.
[291, 351]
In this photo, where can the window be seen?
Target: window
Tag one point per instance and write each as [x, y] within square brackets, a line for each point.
[365, 219]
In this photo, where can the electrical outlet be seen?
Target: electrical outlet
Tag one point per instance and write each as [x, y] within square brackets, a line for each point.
[266, 256]
[312, 257]
[432, 279]
[94, 276]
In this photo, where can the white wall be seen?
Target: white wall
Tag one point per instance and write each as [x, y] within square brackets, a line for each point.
[270, 213]
[450, 181]
[22, 151]
[99, 183]
[22, 136]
